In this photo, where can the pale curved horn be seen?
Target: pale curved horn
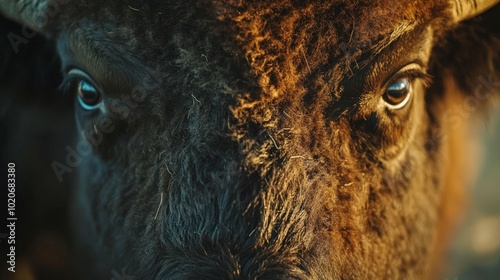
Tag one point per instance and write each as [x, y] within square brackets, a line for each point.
[30, 13]
[465, 9]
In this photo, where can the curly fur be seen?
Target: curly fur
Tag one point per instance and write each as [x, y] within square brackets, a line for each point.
[256, 152]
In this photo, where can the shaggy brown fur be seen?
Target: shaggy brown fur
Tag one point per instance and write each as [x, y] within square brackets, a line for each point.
[249, 141]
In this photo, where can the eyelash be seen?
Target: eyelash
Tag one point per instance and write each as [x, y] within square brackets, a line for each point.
[412, 75]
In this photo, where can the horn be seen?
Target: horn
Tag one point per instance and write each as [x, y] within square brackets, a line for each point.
[465, 9]
[30, 13]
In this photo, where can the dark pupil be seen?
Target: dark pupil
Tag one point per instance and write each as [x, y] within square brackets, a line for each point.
[397, 92]
[88, 93]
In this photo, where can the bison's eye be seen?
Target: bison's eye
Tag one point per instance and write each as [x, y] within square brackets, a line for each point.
[83, 87]
[399, 89]
[398, 93]
[88, 96]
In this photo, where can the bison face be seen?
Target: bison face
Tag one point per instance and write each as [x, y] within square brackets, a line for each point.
[267, 140]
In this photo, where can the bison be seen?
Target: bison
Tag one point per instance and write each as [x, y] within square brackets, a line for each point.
[226, 139]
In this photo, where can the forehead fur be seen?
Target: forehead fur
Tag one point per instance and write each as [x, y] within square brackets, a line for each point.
[298, 38]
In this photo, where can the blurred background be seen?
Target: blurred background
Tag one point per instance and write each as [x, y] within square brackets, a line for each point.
[475, 251]
[36, 124]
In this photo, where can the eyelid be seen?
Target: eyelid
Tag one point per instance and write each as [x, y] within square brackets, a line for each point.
[74, 75]
[411, 71]
[79, 73]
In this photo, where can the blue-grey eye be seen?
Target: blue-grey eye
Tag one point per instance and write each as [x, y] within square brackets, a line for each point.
[80, 84]
[88, 95]
[397, 94]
